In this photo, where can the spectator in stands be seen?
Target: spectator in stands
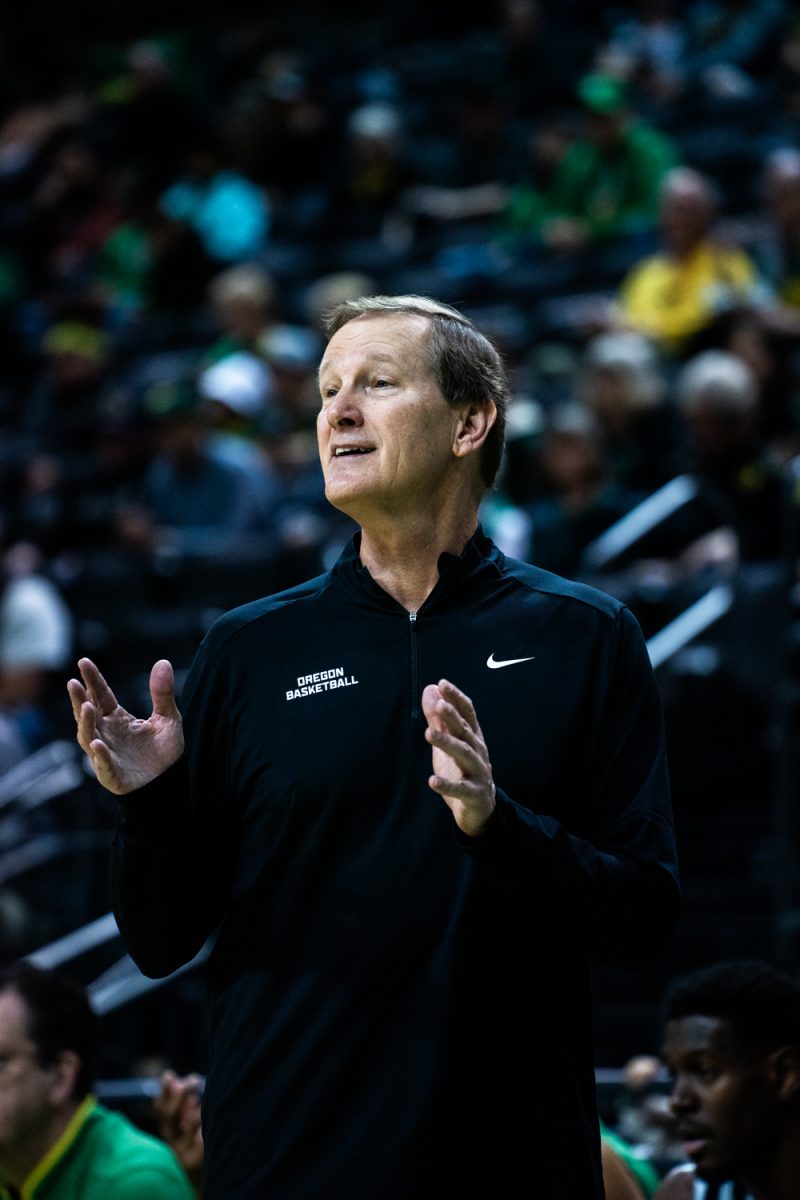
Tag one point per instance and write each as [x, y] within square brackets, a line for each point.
[188, 501]
[623, 385]
[579, 186]
[702, 53]
[372, 174]
[56, 1141]
[648, 40]
[673, 295]
[582, 502]
[530, 57]
[777, 252]
[242, 300]
[177, 1111]
[760, 337]
[608, 180]
[237, 394]
[230, 213]
[732, 1043]
[718, 400]
[70, 214]
[150, 266]
[729, 47]
[329, 290]
[62, 409]
[143, 118]
[36, 638]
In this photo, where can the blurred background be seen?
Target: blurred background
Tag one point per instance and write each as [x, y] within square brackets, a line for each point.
[612, 192]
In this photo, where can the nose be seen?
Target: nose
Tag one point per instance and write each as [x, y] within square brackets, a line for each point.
[343, 410]
[682, 1098]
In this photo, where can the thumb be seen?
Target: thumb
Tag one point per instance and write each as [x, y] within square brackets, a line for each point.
[162, 690]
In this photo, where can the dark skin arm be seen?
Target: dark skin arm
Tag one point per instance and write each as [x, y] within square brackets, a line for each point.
[618, 1181]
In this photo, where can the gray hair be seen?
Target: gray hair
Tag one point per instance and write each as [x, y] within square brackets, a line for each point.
[686, 181]
[245, 281]
[632, 356]
[719, 380]
[466, 365]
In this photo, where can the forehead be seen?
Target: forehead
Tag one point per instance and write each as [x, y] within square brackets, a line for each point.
[698, 1034]
[13, 1018]
[394, 337]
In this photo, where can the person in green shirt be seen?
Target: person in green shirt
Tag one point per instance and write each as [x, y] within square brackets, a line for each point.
[605, 182]
[56, 1141]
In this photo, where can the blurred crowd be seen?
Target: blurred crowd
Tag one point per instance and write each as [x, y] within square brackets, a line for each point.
[611, 192]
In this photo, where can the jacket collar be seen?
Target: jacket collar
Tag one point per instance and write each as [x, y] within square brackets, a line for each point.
[454, 571]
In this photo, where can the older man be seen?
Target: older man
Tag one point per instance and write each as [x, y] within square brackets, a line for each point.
[674, 295]
[416, 795]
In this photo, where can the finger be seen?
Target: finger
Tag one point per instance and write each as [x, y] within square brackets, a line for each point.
[460, 701]
[450, 721]
[99, 691]
[463, 755]
[430, 701]
[441, 715]
[77, 695]
[162, 689]
[465, 790]
[105, 767]
[87, 726]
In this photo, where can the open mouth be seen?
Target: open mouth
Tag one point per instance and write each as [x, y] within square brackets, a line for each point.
[346, 451]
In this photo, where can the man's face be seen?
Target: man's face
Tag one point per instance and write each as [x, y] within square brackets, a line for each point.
[25, 1085]
[724, 1105]
[385, 431]
[686, 217]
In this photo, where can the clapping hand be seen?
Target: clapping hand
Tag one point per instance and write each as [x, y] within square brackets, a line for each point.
[126, 751]
[462, 771]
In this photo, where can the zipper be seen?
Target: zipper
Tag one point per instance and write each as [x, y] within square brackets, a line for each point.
[412, 625]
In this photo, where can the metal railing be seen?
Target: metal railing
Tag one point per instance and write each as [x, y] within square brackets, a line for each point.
[641, 520]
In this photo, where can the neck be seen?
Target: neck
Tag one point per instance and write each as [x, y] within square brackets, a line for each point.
[780, 1179]
[17, 1162]
[683, 251]
[405, 561]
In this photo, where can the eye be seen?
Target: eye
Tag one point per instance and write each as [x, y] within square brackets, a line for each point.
[382, 383]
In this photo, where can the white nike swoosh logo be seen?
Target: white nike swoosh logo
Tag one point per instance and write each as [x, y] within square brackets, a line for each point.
[506, 662]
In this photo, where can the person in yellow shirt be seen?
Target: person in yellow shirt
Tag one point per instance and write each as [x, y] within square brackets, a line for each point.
[673, 295]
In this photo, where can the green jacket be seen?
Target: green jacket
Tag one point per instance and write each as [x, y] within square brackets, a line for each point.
[611, 192]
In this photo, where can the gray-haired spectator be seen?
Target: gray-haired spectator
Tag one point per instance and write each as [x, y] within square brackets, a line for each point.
[717, 397]
[623, 384]
[674, 294]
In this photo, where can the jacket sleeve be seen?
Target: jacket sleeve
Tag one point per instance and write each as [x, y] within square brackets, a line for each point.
[614, 888]
[170, 862]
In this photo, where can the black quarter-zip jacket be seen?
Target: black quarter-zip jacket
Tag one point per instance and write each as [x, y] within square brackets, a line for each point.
[397, 1010]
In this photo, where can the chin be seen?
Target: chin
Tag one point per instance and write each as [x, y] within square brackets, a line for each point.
[713, 1172]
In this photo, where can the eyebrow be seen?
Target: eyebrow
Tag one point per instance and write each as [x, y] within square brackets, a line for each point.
[380, 361]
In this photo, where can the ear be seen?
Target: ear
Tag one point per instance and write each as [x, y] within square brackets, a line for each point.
[473, 428]
[66, 1069]
[784, 1072]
